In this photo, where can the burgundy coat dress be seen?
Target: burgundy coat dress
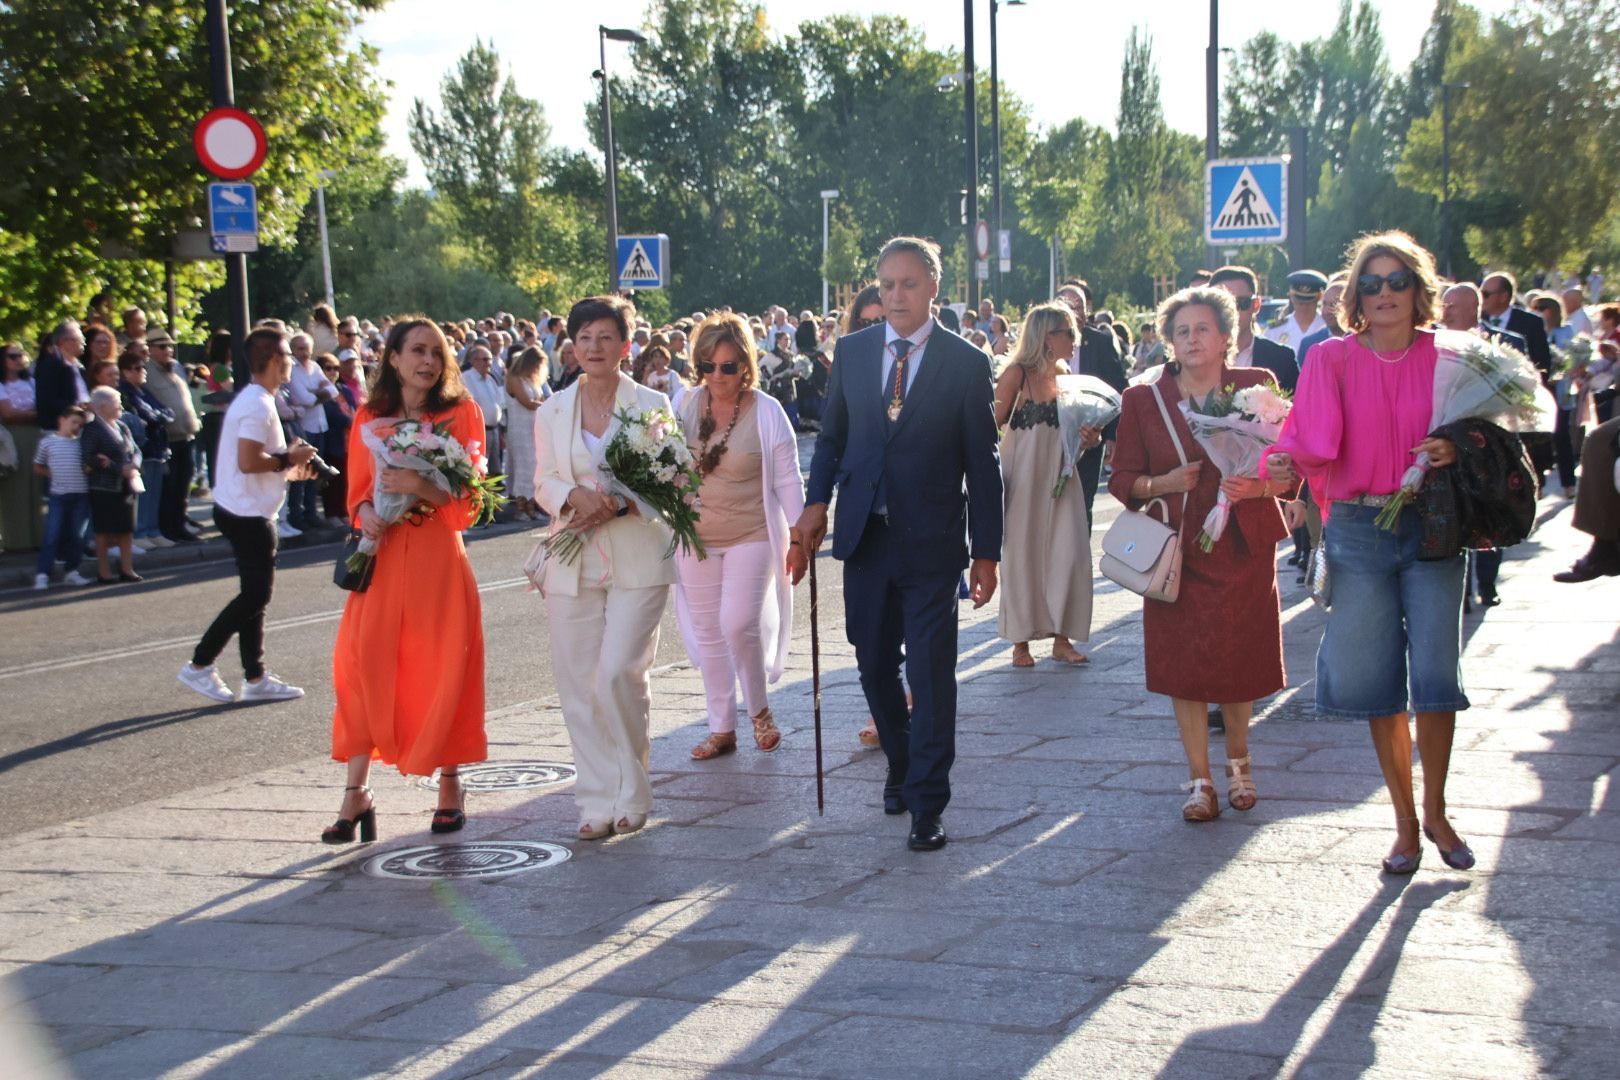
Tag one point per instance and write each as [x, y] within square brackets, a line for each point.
[1221, 641]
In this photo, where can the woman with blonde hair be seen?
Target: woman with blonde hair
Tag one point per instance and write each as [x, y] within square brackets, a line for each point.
[526, 388]
[1046, 544]
[735, 605]
[1393, 641]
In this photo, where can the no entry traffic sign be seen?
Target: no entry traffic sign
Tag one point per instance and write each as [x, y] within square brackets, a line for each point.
[229, 143]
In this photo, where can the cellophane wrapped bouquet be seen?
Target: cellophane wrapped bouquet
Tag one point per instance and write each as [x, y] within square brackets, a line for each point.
[1083, 401]
[648, 461]
[1235, 427]
[1476, 378]
[429, 449]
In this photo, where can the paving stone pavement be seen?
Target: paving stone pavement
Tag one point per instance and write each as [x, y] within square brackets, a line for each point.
[1075, 926]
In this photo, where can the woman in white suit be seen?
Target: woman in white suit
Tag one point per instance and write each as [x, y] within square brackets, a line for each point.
[735, 606]
[605, 606]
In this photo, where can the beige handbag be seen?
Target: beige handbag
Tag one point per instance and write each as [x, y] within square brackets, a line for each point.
[1140, 552]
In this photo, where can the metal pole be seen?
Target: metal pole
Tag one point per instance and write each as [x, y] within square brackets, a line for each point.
[170, 295]
[995, 139]
[815, 684]
[326, 247]
[1445, 178]
[1298, 144]
[825, 203]
[971, 125]
[612, 168]
[217, 23]
[1212, 102]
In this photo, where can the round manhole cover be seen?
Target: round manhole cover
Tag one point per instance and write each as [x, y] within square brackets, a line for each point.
[482, 859]
[508, 775]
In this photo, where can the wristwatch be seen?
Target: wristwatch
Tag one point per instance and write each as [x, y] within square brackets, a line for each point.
[283, 461]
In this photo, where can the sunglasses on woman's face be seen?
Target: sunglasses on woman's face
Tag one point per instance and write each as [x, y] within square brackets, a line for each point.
[862, 324]
[1373, 284]
[730, 367]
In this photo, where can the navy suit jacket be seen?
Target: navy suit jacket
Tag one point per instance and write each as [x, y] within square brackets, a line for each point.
[938, 465]
[55, 389]
[1277, 359]
[1531, 327]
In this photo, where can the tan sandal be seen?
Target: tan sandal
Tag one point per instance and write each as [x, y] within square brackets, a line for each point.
[1201, 804]
[719, 742]
[868, 735]
[1242, 795]
[766, 735]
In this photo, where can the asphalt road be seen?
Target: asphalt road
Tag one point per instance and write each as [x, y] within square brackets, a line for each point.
[92, 718]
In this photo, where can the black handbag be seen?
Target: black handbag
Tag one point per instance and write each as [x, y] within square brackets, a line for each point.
[345, 578]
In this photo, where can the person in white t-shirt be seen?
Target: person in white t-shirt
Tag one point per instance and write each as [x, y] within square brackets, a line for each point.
[490, 394]
[255, 465]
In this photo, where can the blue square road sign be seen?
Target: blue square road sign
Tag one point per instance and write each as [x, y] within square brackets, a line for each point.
[643, 261]
[1246, 201]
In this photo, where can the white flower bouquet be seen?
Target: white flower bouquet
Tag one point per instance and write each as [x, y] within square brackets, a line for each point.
[647, 461]
[1083, 401]
[431, 450]
[1476, 379]
[1235, 427]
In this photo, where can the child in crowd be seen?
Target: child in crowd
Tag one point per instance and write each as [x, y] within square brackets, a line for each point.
[58, 460]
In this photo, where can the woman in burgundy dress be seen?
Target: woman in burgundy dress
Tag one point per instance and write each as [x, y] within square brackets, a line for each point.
[1221, 641]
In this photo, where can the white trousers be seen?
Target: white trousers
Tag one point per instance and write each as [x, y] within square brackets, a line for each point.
[602, 643]
[724, 596]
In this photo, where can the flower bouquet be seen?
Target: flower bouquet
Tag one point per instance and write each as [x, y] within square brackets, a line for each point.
[647, 461]
[1083, 401]
[1476, 379]
[1570, 367]
[1235, 427]
[431, 450]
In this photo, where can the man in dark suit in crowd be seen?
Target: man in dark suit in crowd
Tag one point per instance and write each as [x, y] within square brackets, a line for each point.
[1097, 353]
[1496, 302]
[1460, 310]
[908, 438]
[1252, 349]
[58, 376]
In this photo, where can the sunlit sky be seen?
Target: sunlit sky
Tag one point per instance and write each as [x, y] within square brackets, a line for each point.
[1061, 57]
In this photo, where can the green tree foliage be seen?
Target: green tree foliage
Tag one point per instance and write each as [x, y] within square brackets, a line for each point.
[511, 198]
[1531, 138]
[98, 100]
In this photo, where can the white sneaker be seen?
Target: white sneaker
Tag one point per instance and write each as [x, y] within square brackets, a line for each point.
[114, 551]
[152, 542]
[73, 577]
[289, 531]
[205, 681]
[269, 688]
[136, 549]
[42, 582]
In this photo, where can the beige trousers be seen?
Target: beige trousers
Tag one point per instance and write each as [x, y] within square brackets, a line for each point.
[602, 643]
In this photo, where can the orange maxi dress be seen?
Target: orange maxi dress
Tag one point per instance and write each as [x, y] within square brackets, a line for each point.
[409, 663]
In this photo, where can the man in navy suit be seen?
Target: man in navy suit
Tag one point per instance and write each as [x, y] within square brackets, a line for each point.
[908, 437]
[1254, 350]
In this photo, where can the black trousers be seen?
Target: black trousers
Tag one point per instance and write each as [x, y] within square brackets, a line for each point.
[896, 615]
[212, 423]
[253, 542]
[1090, 469]
[176, 486]
[1564, 446]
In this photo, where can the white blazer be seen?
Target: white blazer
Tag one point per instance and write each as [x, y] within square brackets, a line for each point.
[784, 502]
[635, 544]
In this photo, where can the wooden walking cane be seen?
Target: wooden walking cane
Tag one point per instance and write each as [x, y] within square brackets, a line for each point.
[815, 685]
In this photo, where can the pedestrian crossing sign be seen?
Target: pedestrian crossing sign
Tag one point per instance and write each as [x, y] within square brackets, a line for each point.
[644, 261]
[1246, 201]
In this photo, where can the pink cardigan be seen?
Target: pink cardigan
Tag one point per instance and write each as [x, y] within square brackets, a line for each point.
[1357, 418]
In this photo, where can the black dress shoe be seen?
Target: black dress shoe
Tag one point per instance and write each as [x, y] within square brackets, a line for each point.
[893, 801]
[927, 833]
[1217, 719]
[1489, 601]
[1587, 568]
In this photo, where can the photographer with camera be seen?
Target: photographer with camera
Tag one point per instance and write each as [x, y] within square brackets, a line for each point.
[254, 467]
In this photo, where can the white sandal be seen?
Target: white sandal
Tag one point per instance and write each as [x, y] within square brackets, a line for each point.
[1242, 795]
[1201, 804]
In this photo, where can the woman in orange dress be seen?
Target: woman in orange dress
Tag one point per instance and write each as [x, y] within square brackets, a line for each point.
[409, 663]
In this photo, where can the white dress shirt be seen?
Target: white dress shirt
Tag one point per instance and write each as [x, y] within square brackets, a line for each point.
[919, 344]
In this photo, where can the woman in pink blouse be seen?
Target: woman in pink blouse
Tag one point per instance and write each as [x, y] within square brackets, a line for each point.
[1394, 633]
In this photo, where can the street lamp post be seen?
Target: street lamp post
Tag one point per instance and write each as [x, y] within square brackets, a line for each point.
[1212, 90]
[1445, 173]
[604, 34]
[326, 248]
[826, 200]
[995, 138]
[971, 127]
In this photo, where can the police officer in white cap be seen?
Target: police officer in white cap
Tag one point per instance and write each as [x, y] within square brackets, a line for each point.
[1305, 291]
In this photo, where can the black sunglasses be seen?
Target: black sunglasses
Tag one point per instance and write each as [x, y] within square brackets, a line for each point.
[730, 367]
[862, 324]
[14, 356]
[1243, 303]
[1373, 284]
